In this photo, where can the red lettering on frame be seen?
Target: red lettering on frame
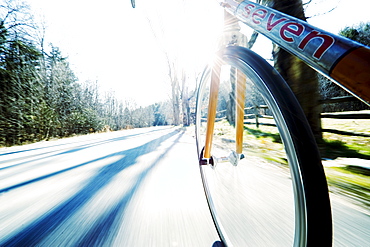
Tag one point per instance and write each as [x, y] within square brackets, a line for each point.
[248, 9]
[259, 15]
[293, 28]
[270, 24]
[327, 41]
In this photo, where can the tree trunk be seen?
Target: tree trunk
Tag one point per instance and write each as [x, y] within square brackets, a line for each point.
[185, 101]
[175, 101]
[231, 107]
[301, 78]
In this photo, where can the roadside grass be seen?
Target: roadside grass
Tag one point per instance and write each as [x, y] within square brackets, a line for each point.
[264, 134]
[333, 149]
[352, 181]
[343, 178]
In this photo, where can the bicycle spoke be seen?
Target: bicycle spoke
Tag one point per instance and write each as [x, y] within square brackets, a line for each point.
[259, 182]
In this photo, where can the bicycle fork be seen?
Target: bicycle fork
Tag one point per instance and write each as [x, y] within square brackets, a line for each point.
[239, 120]
[235, 156]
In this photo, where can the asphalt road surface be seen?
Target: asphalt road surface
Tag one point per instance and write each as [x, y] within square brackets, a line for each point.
[136, 187]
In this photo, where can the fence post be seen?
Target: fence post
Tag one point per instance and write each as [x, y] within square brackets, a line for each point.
[256, 116]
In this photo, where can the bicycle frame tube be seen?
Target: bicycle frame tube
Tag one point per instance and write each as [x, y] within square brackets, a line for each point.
[343, 60]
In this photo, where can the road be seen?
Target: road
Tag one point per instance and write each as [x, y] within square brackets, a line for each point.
[136, 187]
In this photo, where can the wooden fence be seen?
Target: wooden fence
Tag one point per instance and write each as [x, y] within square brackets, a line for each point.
[336, 115]
[255, 112]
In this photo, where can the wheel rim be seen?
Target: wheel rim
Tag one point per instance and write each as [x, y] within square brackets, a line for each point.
[300, 216]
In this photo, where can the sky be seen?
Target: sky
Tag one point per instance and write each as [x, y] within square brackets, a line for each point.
[124, 48]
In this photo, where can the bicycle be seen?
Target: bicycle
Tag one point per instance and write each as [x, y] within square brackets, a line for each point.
[336, 57]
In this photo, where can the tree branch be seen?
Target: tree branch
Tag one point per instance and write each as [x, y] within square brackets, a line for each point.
[252, 40]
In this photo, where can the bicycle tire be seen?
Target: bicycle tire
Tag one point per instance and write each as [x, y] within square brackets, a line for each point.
[313, 220]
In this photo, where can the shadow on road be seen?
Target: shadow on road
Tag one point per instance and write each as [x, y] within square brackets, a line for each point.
[68, 149]
[105, 226]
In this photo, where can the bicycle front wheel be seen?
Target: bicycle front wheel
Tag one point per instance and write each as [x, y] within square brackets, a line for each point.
[277, 194]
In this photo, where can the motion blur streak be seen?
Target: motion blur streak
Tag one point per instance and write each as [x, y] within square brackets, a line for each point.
[137, 187]
[125, 188]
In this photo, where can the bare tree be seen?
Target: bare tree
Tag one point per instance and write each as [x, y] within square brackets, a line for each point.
[185, 99]
[175, 89]
[15, 15]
